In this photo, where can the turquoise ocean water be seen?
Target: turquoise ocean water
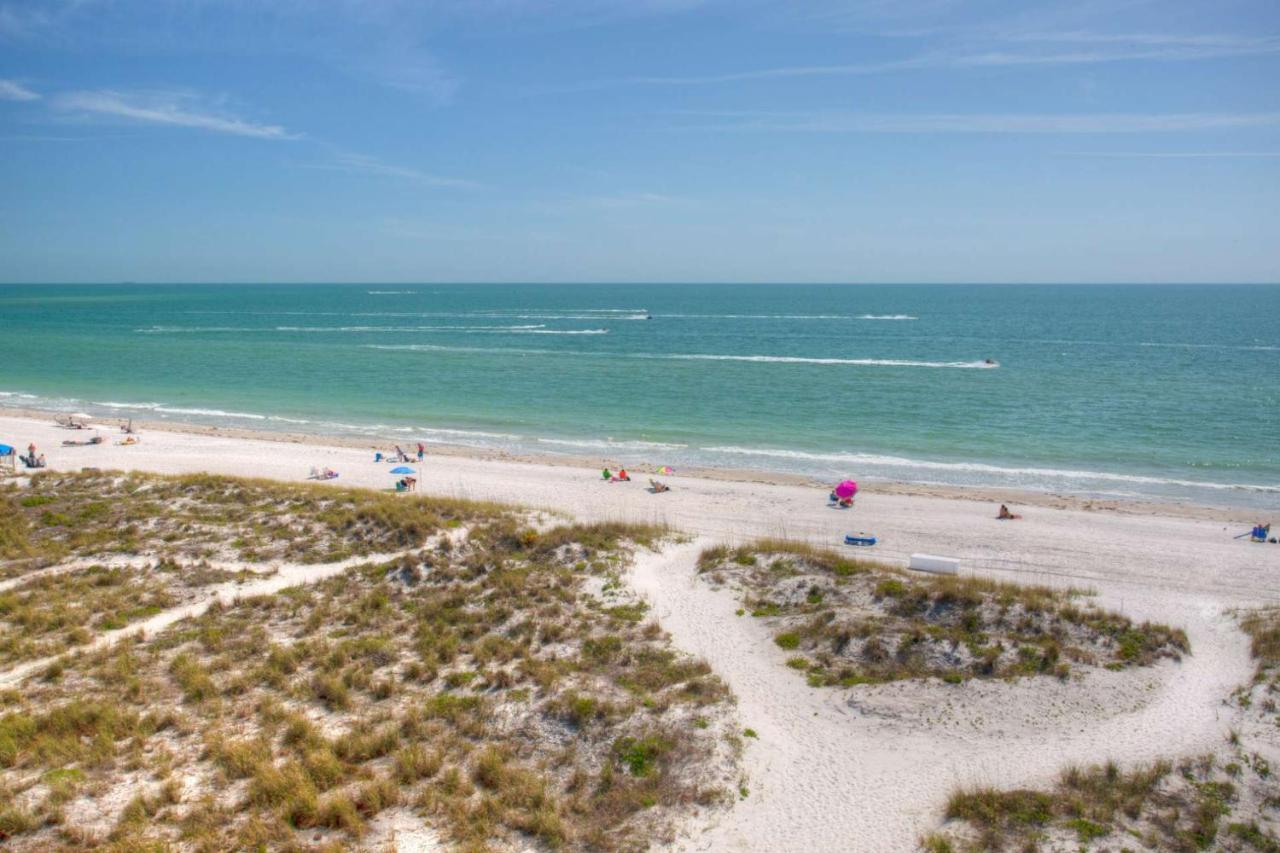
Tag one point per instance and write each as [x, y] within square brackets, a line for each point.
[1164, 392]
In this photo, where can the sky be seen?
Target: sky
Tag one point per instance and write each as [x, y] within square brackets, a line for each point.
[640, 140]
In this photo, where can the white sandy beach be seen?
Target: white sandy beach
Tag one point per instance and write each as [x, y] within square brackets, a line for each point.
[867, 768]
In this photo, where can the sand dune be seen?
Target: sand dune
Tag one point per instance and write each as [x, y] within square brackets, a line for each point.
[866, 768]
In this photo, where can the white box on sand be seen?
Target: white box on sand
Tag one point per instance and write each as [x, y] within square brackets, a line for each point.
[937, 565]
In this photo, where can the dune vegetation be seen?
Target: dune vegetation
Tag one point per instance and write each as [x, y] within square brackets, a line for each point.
[487, 679]
[849, 621]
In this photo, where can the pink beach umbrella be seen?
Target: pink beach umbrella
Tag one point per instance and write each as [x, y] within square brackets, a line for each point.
[846, 489]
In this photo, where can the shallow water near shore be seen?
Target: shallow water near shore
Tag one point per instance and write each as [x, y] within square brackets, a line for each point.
[1153, 392]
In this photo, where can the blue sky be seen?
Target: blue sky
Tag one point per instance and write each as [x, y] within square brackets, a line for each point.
[647, 140]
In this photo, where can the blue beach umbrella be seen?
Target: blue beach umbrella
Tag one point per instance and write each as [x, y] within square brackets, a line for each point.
[403, 469]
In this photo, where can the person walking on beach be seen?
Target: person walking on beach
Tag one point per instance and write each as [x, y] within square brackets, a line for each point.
[422, 451]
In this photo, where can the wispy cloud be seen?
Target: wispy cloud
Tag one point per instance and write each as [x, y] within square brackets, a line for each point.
[1173, 155]
[1102, 49]
[178, 109]
[627, 200]
[843, 122]
[1221, 40]
[11, 90]
[345, 161]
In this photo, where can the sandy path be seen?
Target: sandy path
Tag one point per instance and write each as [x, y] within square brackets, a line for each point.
[823, 776]
[288, 574]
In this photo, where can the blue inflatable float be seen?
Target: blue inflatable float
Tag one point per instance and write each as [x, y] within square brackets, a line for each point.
[861, 539]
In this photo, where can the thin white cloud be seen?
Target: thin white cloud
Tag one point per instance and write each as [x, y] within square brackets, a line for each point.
[178, 109]
[1173, 155]
[1069, 123]
[1263, 44]
[1148, 48]
[627, 200]
[359, 163]
[11, 90]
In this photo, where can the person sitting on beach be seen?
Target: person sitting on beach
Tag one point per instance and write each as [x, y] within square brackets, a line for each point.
[658, 488]
[623, 476]
[607, 475]
[1005, 515]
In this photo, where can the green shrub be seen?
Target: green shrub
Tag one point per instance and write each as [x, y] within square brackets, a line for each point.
[788, 640]
[640, 755]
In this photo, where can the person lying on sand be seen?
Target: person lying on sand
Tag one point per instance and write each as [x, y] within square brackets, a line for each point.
[1005, 515]
[658, 488]
[132, 439]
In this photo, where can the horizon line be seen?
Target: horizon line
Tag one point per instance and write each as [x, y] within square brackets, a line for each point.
[616, 283]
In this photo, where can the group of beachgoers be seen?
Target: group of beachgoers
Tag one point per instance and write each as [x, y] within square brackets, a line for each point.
[622, 476]
[842, 502]
[31, 460]
[399, 455]
[406, 483]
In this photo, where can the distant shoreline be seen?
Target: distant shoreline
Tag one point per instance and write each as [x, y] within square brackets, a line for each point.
[980, 494]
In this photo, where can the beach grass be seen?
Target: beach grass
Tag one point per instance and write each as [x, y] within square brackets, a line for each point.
[203, 515]
[851, 621]
[493, 678]
[1184, 807]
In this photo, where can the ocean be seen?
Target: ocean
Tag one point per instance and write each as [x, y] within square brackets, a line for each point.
[1162, 392]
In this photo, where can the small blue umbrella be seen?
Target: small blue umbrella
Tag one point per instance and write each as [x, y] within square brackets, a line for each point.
[403, 469]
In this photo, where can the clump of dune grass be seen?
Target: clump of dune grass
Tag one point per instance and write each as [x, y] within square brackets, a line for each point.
[854, 621]
[1156, 806]
[498, 681]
